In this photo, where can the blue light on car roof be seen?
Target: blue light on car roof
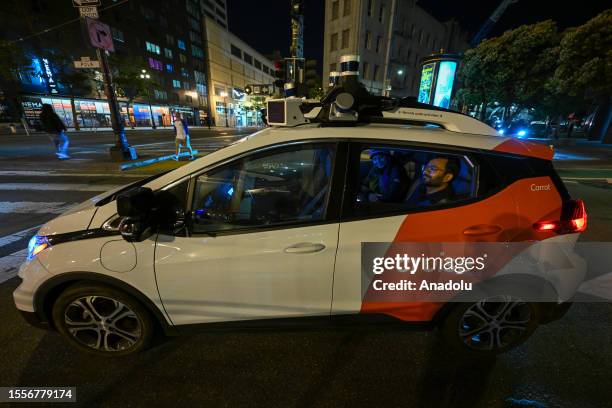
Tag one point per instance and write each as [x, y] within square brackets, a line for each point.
[501, 131]
[521, 133]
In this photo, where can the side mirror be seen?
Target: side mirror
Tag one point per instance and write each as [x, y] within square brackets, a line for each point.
[136, 206]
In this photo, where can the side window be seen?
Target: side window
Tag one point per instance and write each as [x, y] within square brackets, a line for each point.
[393, 179]
[274, 188]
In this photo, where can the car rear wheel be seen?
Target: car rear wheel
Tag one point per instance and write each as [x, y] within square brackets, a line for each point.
[102, 320]
[490, 326]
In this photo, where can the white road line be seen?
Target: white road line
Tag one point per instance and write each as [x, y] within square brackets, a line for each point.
[9, 265]
[34, 207]
[56, 187]
[600, 286]
[17, 236]
[50, 173]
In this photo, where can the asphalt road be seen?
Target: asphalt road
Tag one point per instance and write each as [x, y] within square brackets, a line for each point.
[565, 364]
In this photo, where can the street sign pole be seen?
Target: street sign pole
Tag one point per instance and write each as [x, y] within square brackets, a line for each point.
[122, 147]
[101, 39]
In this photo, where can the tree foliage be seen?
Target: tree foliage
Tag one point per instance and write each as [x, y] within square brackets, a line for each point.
[512, 68]
[126, 72]
[584, 67]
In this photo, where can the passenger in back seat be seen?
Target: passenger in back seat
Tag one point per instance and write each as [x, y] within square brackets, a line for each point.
[386, 181]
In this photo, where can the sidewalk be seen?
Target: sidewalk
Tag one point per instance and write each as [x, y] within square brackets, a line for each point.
[72, 131]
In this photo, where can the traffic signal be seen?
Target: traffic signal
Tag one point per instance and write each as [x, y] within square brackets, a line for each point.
[280, 73]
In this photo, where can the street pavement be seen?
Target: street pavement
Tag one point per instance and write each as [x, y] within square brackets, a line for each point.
[565, 364]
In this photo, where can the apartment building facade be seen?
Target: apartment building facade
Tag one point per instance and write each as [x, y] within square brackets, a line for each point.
[234, 65]
[391, 38]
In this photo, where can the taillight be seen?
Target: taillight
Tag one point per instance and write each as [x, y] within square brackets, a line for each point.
[573, 219]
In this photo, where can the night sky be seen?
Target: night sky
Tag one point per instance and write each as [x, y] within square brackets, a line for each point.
[266, 25]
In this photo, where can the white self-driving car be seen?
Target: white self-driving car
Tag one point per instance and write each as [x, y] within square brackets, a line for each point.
[270, 228]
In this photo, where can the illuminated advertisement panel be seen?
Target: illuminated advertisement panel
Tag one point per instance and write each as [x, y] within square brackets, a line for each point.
[444, 84]
[426, 81]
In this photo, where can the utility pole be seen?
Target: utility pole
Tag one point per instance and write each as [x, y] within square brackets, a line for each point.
[491, 21]
[294, 65]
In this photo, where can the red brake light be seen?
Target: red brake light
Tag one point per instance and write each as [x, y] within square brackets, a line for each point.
[573, 219]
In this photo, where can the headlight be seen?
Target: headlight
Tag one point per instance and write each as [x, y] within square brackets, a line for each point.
[36, 245]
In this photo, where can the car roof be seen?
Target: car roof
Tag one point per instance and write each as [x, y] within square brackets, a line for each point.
[387, 132]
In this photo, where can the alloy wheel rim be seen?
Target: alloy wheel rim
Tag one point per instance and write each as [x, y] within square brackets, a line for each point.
[494, 322]
[102, 323]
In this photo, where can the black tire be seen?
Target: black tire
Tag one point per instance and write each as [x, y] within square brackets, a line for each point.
[469, 334]
[102, 320]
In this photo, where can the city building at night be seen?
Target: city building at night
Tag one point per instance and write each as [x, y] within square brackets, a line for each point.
[234, 65]
[216, 10]
[391, 38]
[166, 37]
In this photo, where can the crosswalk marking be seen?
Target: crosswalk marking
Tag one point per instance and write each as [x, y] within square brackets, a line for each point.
[18, 236]
[33, 207]
[57, 187]
[9, 265]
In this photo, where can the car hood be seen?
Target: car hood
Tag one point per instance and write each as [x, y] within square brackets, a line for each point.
[77, 218]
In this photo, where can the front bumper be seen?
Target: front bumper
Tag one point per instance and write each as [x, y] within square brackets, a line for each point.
[34, 320]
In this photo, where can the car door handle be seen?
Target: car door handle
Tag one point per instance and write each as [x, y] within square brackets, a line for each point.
[481, 229]
[304, 248]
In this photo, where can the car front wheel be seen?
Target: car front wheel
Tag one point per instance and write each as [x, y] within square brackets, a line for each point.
[102, 320]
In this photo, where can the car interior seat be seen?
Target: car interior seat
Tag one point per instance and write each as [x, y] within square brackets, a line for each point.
[463, 184]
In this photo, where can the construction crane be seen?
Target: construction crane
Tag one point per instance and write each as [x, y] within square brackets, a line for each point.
[491, 21]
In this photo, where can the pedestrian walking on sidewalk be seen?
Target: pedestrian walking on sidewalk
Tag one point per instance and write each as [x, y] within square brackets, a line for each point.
[181, 136]
[51, 123]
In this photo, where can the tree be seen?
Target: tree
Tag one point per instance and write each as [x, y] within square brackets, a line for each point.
[126, 77]
[73, 80]
[512, 69]
[13, 62]
[584, 69]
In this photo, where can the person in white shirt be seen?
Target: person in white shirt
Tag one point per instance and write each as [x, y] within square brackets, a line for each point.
[181, 134]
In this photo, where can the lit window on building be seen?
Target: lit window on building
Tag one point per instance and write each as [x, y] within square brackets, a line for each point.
[156, 64]
[169, 68]
[197, 51]
[184, 72]
[181, 45]
[176, 83]
[154, 48]
[167, 53]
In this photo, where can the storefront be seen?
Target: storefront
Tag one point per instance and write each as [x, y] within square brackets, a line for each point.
[96, 113]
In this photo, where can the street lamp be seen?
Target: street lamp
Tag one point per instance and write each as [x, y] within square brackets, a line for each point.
[400, 72]
[145, 75]
[223, 94]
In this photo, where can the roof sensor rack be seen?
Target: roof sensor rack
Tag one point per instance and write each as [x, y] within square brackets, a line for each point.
[348, 103]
